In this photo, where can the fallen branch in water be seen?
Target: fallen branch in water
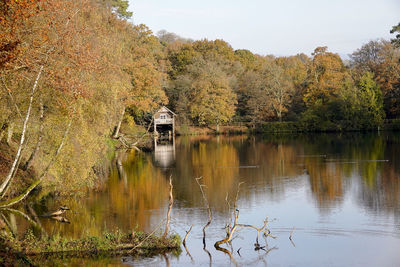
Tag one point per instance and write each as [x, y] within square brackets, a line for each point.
[121, 138]
[187, 233]
[208, 209]
[232, 226]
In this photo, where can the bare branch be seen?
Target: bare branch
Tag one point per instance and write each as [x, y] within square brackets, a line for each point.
[230, 229]
[208, 209]
[187, 233]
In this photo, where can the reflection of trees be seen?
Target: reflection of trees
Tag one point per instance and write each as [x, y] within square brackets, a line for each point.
[351, 157]
[325, 181]
[223, 162]
[124, 204]
[213, 158]
[351, 162]
[381, 190]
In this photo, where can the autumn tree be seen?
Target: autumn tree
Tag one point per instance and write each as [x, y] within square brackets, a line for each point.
[147, 69]
[205, 94]
[295, 72]
[382, 59]
[325, 77]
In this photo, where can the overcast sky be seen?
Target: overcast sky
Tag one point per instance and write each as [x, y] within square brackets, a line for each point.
[279, 27]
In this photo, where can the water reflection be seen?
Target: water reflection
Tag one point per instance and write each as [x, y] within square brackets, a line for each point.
[325, 185]
[164, 152]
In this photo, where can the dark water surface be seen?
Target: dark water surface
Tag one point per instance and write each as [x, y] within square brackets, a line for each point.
[340, 192]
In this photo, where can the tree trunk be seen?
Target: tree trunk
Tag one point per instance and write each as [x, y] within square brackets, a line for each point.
[24, 128]
[116, 132]
[32, 156]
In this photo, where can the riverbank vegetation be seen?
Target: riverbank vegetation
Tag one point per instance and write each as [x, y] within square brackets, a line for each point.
[74, 73]
[31, 249]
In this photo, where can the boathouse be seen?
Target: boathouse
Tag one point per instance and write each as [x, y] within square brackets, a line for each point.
[164, 121]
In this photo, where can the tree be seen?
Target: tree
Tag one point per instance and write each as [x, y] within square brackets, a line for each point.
[205, 93]
[382, 59]
[396, 41]
[325, 78]
[146, 69]
[371, 100]
[280, 90]
[170, 37]
[120, 7]
[368, 57]
[295, 70]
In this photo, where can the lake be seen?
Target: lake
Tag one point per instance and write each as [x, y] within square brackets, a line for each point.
[337, 195]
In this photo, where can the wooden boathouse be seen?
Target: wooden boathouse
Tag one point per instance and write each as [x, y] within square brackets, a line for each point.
[164, 121]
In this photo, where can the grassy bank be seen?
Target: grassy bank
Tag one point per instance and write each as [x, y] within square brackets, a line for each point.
[30, 248]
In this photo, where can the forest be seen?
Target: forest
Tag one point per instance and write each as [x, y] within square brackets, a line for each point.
[72, 71]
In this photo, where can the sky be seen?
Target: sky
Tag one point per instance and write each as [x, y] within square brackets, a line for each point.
[278, 27]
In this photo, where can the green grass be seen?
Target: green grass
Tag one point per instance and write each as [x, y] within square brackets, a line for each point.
[113, 242]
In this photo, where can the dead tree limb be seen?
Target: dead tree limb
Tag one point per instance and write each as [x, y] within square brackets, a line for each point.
[23, 133]
[232, 226]
[208, 209]
[143, 135]
[209, 255]
[171, 202]
[184, 243]
[186, 236]
[188, 253]
[118, 127]
[227, 252]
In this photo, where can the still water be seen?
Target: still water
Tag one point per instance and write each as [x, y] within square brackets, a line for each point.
[338, 195]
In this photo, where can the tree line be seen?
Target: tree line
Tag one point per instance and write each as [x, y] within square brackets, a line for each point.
[72, 71]
[211, 83]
